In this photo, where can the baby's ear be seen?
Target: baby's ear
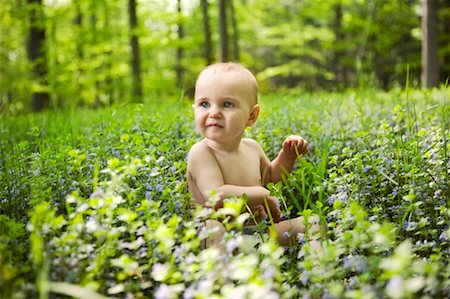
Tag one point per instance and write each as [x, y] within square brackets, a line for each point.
[253, 115]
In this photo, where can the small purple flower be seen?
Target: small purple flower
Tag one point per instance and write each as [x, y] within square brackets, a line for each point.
[189, 293]
[443, 236]
[330, 200]
[304, 277]
[287, 234]
[343, 196]
[159, 188]
[409, 226]
[347, 263]
[301, 239]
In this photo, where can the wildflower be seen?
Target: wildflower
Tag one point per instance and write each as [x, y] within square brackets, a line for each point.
[160, 272]
[443, 236]
[154, 172]
[343, 196]
[300, 254]
[160, 160]
[97, 194]
[438, 193]
[304, 277]
[307, 296]
[301, 239]
[189, 293]
[395, 287]
[287, 234]
[352, 283]
[234, 243]
[395, 191]
[91, 225]
[159, 187]
[346, 262]
[409, 226]
[206, 285]
[141, 230]
[164, 291]
[330, 200]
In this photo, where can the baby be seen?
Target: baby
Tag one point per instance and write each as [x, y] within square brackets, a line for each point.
[225, 104]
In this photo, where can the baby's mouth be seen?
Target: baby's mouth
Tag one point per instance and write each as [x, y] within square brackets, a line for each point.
[214, 125]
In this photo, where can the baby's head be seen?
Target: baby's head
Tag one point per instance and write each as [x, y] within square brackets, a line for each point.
[234, 74]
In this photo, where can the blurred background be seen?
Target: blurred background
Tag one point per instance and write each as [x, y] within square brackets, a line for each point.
[72, 53]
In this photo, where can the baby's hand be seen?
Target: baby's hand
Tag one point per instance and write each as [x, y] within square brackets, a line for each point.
[274, 206]
[294, 145]
[259, 212]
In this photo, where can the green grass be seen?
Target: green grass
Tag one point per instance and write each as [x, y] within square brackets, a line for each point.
[95, 202]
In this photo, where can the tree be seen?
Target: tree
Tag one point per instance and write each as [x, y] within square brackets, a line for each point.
[235, 32]
[135, 54]
[444, 40]
[338, 53]
[430, 58]
[37, 55]
[223, 32]
[78, 22]
[179, 63]
[206, 33]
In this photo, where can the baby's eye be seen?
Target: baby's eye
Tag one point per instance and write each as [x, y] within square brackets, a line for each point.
[228, 105]
[204, 105]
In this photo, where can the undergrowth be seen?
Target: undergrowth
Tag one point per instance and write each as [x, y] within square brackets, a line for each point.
[95, 203]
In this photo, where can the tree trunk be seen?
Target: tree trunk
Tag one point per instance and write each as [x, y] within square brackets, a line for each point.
[236, 52]
[206, 32]
[430, 58]
[179, 66]
[444, 40]
[80, 40]
[94, 41]
[37, 54]
[223, 31]
[338, 52]
[79, 27]
[135, 54]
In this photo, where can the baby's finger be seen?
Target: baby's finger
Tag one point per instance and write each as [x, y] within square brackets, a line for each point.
[288, 142]
[276, 215]
[302, 146]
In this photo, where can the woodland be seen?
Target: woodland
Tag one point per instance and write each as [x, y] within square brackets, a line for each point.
[62, 53]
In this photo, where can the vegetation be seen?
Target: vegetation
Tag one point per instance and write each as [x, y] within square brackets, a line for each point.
[95, 203]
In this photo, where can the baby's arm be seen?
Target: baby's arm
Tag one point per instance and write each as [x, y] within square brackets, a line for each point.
[205, 173]
[293, 146]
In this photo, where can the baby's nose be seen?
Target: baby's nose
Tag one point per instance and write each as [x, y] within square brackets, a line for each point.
[215, 112]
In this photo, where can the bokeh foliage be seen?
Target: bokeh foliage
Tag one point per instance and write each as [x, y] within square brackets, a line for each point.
[309, 44]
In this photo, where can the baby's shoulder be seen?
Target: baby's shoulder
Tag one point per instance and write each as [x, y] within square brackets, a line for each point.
[251, 143]
[200, 149]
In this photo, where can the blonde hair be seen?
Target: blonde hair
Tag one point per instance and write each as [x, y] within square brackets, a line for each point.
[232, 66]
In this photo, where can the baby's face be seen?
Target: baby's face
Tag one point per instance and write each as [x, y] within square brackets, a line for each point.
[224, 103]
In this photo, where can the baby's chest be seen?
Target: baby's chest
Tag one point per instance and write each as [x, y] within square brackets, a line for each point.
[242, 171]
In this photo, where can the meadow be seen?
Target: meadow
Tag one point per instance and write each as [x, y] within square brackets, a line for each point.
[94, 203]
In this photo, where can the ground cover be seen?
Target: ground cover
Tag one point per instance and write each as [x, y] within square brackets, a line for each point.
[95, 203]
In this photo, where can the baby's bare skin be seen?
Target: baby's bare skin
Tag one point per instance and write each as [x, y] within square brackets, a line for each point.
[225, 105]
